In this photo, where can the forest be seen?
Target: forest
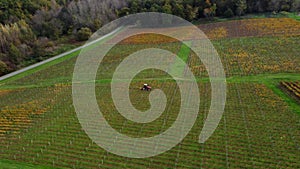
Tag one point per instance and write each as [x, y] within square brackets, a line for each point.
[33, 30]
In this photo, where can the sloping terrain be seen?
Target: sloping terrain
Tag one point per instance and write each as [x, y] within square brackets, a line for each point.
[260, 127]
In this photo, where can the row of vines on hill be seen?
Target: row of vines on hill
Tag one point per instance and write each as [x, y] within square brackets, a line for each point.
[253, 132]
[284, 27]
[292, 88]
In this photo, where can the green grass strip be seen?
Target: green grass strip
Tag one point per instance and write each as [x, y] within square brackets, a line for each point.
[261, 78]
[185, 51]
[291, 15]
[292, 103]
[178, 68]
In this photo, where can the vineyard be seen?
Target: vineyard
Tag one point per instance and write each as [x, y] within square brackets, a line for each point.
[283, 27]
[260, 127]
[292, 88]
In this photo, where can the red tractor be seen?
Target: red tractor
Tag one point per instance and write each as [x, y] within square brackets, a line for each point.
[146, 87]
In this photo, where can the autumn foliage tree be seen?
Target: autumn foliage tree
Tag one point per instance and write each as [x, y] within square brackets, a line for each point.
[84, 34]
[3, 68]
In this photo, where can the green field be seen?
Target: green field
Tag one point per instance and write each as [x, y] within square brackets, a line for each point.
[260, 127]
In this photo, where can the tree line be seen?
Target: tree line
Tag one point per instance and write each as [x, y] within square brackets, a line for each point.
[30, 30]
[196, 9]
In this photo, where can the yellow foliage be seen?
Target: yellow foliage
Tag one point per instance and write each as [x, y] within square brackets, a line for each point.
[17, 117]
[217, 33]
[273, 26]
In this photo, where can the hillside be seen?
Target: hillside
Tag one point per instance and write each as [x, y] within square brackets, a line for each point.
[259, 128]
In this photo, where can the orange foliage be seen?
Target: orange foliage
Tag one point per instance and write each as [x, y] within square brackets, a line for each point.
[252, 28]
[272, 26]
[217, 33]
[15, 118]
[148, 39]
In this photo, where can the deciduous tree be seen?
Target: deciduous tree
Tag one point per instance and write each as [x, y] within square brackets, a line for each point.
[84, 34]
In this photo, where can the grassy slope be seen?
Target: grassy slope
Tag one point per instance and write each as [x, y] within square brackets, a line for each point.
[270, 80]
